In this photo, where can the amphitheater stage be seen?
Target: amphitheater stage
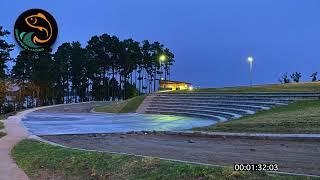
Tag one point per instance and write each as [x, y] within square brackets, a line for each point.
[54, 123]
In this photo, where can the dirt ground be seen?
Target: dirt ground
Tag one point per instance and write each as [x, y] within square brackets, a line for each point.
[291, 156]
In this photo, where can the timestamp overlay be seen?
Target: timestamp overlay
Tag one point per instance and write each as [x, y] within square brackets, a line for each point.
[256, 167]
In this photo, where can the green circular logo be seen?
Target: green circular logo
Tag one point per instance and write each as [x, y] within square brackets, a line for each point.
[35, 30]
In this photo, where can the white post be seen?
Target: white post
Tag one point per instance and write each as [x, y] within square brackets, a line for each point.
[250, 61]
[250, 73]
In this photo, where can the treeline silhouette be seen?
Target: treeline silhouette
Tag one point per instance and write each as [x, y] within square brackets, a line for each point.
[295, 77]
[107, 68]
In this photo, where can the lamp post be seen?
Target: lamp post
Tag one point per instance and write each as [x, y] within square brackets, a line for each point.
[162, 58]
[250, 61]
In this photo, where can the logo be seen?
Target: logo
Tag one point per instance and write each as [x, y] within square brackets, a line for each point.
[35, 30]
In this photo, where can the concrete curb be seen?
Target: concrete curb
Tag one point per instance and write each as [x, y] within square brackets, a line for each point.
[314, 137]
[262, 135]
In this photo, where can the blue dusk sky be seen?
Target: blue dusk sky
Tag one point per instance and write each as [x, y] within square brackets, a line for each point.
[210, 38]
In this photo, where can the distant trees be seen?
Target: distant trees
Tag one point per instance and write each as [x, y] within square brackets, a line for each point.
[296, 76]
[284, 78]
[106, 69]
[314, 76]
[33, 74]
[5, 49]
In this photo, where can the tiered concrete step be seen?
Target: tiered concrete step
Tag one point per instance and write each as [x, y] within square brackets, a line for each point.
[278, 95]
[256, 107]
[208, 102]
[200, 108]
[218, 106]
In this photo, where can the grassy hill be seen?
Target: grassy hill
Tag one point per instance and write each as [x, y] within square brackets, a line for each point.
[297, 117]
[127, 106]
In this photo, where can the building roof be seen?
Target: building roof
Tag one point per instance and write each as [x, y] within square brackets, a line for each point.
[173, 82]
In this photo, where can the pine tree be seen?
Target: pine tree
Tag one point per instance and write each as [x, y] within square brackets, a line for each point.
[5, 49]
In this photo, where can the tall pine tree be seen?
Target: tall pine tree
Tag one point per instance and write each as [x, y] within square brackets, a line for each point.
[5, 49]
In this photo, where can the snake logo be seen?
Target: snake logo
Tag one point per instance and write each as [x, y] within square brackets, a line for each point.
[35, 30]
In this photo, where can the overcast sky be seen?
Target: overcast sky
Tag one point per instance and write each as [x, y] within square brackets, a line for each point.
[210, 38]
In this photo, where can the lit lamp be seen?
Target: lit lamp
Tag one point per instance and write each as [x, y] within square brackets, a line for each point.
[250, 61]
[162, 58]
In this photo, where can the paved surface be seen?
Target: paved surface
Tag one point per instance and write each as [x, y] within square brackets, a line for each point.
[291, 156]
[83, 123]
[15, 133]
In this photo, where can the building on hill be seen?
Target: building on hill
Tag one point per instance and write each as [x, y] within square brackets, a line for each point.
[174, 85]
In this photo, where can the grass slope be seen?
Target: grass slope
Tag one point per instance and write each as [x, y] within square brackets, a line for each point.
[43, 161]
[5, 116]
[2, 127]
[2, 134]
[297, 117]
[126, 106]
[290, 87]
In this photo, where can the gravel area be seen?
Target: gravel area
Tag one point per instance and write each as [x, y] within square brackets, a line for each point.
[292, 156]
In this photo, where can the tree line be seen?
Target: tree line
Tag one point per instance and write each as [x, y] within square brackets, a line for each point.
[295, 77]
[107, 68]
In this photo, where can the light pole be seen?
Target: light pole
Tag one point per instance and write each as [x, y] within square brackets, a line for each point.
[250, 61]
[162, 58]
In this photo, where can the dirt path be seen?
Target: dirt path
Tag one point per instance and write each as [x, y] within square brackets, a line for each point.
[292, 156]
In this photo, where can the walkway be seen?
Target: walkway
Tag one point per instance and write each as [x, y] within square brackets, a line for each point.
[15, 133]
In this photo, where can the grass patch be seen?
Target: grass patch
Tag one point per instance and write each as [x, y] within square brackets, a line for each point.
[289, 87]
[5, 116]
[127, 106]
[2, 134]
[1, 125]
[43, 161]
[297, 117]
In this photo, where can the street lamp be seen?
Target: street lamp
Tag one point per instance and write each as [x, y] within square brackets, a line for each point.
[162, 58]
[250, 61]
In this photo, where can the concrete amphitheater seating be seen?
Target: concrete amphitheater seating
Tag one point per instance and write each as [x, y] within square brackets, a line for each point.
[218, 106]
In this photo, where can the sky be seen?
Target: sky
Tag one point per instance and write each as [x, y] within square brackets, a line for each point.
[211, 39]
